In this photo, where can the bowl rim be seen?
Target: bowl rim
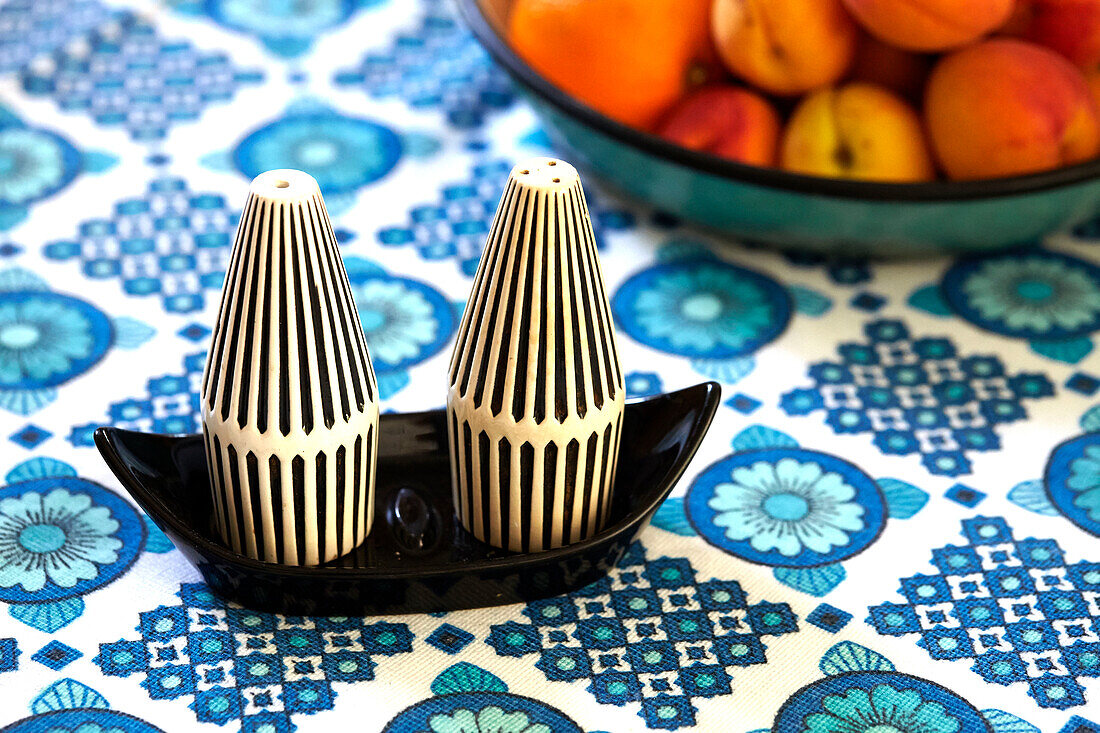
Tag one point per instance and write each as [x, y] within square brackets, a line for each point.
[940, 190]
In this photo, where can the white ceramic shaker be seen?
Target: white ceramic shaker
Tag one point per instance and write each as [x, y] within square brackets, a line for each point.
[535, 403]
[289, 401]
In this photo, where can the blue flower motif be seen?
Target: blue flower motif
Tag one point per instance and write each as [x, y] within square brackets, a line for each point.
[86, 720]
[342, 153]
[34, 164]
[61, 537]
[1073, 481]
[877, 702]
[1084, 480]
[47, 338]
[286, 28]
[481, 712]
[1033, 295]
[404, 321]
[786, 507]
[702, 308]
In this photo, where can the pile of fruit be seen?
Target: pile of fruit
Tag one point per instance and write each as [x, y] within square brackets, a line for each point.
[883, 90]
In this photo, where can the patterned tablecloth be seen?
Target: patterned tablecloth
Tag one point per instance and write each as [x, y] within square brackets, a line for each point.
[892, 525]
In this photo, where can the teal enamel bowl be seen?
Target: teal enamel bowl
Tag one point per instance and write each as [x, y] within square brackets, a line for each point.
[795, 211]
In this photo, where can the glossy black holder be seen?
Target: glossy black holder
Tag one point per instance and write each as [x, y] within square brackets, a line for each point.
[417, 557]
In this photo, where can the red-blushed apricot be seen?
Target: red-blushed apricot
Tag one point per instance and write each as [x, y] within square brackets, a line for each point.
[726, 121]
[1006, 107]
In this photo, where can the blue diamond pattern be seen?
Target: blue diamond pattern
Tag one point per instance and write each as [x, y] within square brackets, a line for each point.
[29, 28]
[1082, 383]
[917, 395]
[450, 639]
[171, 244]
[963, 494]
[194, 332]
[122, 73]
[828, 618]
[30, 436]
[56, 655]
[743, 403]
[647, 630]
[241, 665]
[437, 65]
[868, 302]
[1014, 607]
[170, 405]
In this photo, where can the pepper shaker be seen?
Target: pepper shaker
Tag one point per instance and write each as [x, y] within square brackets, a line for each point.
[289, 399]
[535, 402]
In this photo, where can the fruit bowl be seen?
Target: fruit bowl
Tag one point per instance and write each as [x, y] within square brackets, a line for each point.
[795, 211]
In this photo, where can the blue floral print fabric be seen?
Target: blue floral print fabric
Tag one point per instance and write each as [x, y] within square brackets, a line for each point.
[891, 527]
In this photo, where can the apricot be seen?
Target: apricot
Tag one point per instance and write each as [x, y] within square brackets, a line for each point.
[859, 131]
[888, 66]
[930, 25]
[785, 47]
[726, 121]
[1070, 27]
[629, 60]
[1006, 107]
[1093, 80]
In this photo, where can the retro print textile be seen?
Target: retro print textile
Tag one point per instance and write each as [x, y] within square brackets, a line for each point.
[893, 525]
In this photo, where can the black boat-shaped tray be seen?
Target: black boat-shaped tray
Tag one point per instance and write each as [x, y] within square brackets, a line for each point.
[417, 557]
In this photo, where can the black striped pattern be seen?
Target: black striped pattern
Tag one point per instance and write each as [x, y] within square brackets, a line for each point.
[289, 407]
[536, 390]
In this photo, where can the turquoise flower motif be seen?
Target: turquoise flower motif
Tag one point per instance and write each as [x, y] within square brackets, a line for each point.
[286, 27]
[48, 338]
[703, 309]
[788, 506]
[1084, 481]
[33, 164]
[405, 321]
[59, 537]
[489, 719]
[1040, 295]
[1071, 484]
[343, 153]
[398, 320]
[885, 709]
[797, 510]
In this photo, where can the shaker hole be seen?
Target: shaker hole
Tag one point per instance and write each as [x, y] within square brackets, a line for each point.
[552, 162]
[282, 184]
[556, 180]
[525, 171]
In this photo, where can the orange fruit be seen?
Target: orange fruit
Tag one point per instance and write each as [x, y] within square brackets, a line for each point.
[629, 59]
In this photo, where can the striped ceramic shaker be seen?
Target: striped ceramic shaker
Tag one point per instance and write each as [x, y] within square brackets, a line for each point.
[289, 402]
[535, 404]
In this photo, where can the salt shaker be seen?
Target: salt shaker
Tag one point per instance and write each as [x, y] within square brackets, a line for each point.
[289, 399]
[535, 403]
